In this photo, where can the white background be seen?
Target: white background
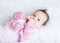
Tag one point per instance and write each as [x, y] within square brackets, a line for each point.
[8, 7]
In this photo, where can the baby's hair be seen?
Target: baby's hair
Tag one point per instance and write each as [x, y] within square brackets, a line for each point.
[44, 10]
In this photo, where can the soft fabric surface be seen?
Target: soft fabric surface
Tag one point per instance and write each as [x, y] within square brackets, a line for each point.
[7, 35]
[52, 29]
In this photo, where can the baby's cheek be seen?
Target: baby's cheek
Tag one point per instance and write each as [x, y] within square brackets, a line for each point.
[36, 24]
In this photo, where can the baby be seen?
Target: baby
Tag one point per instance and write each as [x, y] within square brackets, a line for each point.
[39, 19]
[25, 25]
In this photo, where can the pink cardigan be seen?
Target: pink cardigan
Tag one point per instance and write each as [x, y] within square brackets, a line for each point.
[18, 24]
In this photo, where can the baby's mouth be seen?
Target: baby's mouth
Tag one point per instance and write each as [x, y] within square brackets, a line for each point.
[27, 20]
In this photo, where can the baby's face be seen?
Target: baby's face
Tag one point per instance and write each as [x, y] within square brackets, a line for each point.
[38, 18]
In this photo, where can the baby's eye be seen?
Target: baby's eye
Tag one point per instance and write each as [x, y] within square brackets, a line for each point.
[38, 19]
[34, 15]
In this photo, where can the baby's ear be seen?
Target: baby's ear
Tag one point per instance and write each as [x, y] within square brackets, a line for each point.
[19, 15]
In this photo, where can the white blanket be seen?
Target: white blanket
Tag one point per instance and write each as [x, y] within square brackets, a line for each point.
[7, 35]
[44, 36]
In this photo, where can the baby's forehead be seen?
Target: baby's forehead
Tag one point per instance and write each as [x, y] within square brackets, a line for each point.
[39, 13]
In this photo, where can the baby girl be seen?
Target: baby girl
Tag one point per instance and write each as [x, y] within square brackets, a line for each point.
[39, 19]
[25, 25]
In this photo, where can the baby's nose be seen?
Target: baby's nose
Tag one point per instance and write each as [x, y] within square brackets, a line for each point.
[31, 17]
